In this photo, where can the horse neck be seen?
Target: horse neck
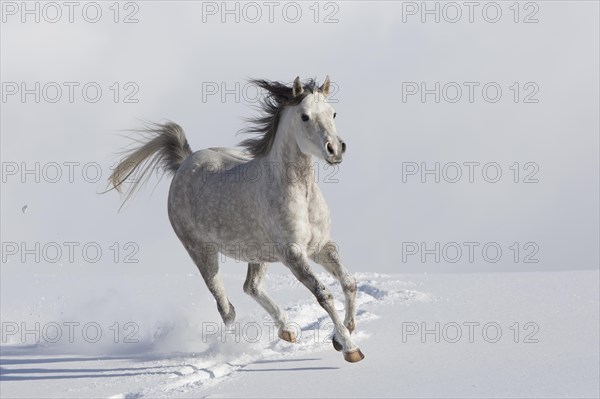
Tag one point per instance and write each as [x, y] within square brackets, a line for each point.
[291, 166]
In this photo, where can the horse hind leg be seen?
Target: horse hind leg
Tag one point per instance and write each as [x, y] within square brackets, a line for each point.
[254, 286]
[208, 265]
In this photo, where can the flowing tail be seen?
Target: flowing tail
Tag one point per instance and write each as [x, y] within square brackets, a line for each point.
[162, 146]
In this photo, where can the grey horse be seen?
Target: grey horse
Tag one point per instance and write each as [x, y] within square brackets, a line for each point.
[260, 204]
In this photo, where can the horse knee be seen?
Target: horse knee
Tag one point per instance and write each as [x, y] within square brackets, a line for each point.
[349, 284]
[325, 298]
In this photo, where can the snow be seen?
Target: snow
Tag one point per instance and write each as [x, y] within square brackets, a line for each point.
[182, 351]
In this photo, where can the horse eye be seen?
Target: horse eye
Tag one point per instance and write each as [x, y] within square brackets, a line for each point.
[304, 117]
[334, 115]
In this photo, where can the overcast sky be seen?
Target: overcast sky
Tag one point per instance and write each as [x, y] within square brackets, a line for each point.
[520, 98]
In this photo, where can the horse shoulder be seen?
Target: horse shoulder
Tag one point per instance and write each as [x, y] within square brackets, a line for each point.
[319, 216]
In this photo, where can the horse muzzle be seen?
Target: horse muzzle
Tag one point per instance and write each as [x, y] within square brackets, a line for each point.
[335, 150]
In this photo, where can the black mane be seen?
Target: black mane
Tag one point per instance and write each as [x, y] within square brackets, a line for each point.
[278, 96]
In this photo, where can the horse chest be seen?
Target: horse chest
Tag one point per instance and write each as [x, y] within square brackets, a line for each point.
[302, 215]
[318, 217]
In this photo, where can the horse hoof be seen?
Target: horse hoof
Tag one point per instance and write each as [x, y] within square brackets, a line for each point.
[336, 344]
[288, 336]
[354, 356]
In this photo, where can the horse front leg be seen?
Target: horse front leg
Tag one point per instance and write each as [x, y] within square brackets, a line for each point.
[301, 269]
[328, 257]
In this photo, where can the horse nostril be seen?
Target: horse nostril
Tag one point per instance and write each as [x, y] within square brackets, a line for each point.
[329, 148]
[343, 147]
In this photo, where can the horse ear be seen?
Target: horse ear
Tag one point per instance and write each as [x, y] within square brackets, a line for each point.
[325, 87]
[297, 88]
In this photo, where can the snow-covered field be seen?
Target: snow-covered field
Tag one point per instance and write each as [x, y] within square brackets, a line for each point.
[423, 335]
[469, 125]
